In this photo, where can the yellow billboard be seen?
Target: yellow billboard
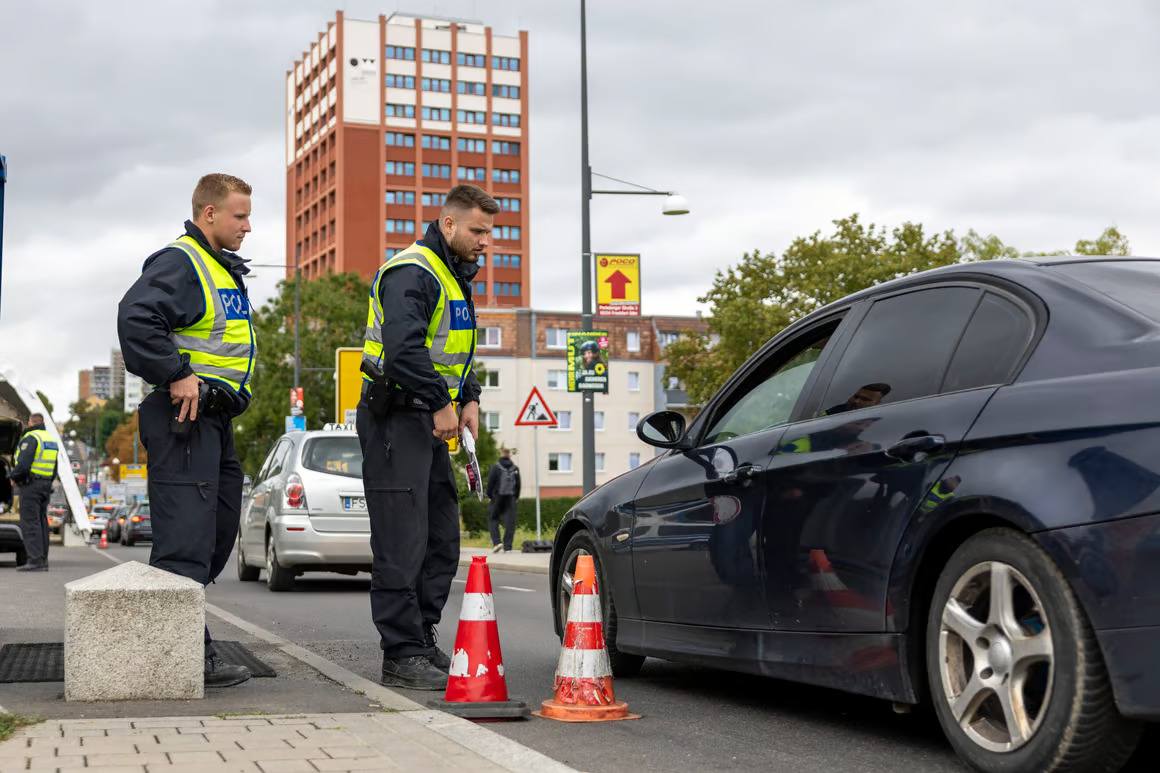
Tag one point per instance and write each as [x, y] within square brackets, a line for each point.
[617, 285]
[348, 383]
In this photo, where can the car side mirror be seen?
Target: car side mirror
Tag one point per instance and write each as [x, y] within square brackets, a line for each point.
[247, 485]
[663, 429]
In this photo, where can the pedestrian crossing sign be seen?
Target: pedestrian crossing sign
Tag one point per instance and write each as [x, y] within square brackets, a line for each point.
[535, 412]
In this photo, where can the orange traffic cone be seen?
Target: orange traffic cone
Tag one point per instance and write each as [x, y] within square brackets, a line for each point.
[825, 580]
[584, 676]
[104, 540]
[476, 688]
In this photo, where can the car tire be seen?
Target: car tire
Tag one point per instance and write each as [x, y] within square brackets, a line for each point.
[624, 664]
[1008, 647]
[130, 542]
[246, 573]
[278, 578]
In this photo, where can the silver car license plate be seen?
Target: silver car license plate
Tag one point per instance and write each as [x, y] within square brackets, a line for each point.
[354, 503]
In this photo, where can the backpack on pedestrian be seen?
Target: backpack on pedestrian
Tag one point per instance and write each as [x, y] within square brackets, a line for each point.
[508, 477]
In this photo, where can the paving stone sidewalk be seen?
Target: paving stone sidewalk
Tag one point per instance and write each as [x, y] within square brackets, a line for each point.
[298, 743]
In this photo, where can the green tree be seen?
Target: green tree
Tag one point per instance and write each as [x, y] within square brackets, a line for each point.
[44, 399]
[1110, 242]
[333, 311]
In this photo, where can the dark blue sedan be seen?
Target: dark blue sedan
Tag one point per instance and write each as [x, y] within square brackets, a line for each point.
[945, 488]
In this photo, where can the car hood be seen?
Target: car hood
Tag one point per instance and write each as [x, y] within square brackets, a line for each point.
[10, 432]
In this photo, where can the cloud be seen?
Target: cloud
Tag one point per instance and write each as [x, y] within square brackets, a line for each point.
[1035, 121]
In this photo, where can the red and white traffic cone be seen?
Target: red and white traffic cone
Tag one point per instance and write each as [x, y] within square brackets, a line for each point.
[583, 686]
[476, 687]
[824, 580]
[104, 540]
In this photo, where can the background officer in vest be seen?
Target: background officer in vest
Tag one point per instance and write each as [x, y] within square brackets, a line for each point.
[503, 489]
[421, 333]
[34, 472]
[185, 327]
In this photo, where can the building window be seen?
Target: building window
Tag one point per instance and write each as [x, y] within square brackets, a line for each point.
[435, 142]
[499, 288]
[400, 140]
[471, 116]
[505, 63]
[401, 81]
[489, 379]
[505, 175]
[488, 336]
[482, 261]
[507, 92]
[634, 340]
[505, 148]
[472, 173]
[490, 420]
[402, 168]
[668, 338]
[400, 226]
[401, 52]
[435, 170]
[563, 420]
[633, 381]
[505, 119]
[674, 383]
[436, 84]
[633, 460]
[600, 461]
[399, 111]
[557, 379]
[633, 420]
[471, 60]
[515, 290]
[471, 146]
[434, 199]
[556, 338]
[470, 87]
[510, 233]
[560, 462]
[434, 56]
[436, 114]
[391, 252]
[480, 288]
[508, 204]
[505, 261]
[400, 197]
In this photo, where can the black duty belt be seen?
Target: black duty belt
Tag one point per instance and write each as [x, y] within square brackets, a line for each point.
[401, 399]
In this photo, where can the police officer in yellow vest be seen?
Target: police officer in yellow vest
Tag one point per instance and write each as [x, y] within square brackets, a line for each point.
[185, 328]
[34, 471]
[421, 335]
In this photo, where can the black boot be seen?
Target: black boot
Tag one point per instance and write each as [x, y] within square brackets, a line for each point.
[33, 566]
[438, 657]
[415, 672]
[218, 673]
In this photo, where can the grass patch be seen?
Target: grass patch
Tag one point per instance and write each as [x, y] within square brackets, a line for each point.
[482, 540]
[10, 723]
[233, 714]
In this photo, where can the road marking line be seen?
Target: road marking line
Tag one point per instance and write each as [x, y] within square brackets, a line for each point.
[503, 751]
[461, 582]
[521, 590]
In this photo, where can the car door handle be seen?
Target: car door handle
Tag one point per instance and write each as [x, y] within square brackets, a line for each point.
[908, 450]
[742, 473]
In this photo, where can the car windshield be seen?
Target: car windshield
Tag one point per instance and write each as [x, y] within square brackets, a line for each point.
[1134, 283]
[142, 509]
[336, 455]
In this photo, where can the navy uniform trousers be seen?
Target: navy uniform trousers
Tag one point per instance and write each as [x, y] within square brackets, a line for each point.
[414, 518]
[34, 497]
[195, 492]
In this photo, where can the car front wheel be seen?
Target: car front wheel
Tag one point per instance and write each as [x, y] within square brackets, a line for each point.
[623, 664]
[1015, 671]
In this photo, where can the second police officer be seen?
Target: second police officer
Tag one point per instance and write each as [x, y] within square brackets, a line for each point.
[420, 342]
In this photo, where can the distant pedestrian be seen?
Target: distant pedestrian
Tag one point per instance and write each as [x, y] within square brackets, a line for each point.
[503, 489]
[185, 327]
[34, 472]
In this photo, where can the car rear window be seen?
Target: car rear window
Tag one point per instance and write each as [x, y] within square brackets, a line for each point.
[336, 455]
[1134, 283]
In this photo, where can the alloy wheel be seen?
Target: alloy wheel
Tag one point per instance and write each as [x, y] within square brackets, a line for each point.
[567, 585]
[996, 658]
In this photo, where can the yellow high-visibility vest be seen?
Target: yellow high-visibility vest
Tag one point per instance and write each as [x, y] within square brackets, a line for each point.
[451, 331]
[44, 463]
[220, 344]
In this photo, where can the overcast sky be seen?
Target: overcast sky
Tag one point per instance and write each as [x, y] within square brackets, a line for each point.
[1035, 121]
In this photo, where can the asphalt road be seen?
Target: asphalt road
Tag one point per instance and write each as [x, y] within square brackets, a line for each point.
[693, 718]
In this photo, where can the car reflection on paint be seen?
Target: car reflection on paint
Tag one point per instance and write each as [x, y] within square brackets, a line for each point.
[943, 486]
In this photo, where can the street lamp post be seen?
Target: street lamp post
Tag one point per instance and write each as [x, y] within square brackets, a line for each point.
[674, 205]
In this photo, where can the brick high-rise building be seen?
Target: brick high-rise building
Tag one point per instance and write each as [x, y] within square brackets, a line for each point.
[382, 119]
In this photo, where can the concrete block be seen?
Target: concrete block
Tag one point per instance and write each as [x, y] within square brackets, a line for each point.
[154, 619]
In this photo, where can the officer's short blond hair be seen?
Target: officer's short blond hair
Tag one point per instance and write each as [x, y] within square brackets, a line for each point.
[213, 189]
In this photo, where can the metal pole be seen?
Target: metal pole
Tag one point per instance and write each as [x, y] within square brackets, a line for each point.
[536, 474]
[589, 413]
[297, 316]
[3, 182]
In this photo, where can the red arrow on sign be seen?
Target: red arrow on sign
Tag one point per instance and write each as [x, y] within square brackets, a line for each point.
[618, 282]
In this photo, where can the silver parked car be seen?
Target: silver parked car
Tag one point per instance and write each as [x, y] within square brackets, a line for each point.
[306, 511]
